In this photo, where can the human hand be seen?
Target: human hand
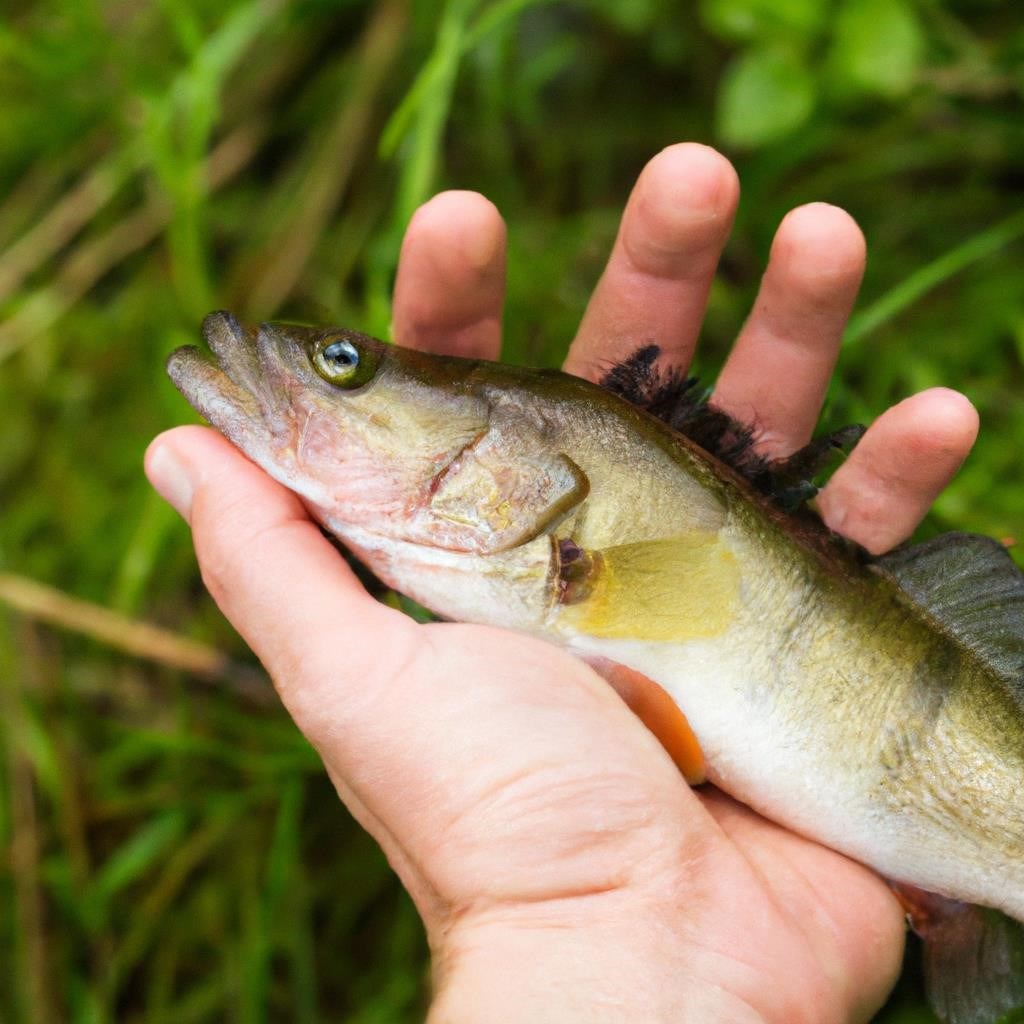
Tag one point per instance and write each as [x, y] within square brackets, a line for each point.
[563, 869]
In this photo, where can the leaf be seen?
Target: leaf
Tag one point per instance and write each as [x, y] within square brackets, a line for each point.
[128, 862]
[762, 19]
[878, 47]
[633, 16]
[764, 95]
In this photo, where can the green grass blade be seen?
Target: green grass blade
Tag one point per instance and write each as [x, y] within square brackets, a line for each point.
[420, 166]
[918, 284]
[129, 862]
[135, 572]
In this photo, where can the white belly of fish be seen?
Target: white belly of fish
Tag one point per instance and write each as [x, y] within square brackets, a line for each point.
[807, 749]
[819, 771]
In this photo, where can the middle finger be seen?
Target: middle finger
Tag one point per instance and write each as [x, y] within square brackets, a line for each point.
[655, 287]
[779, 369]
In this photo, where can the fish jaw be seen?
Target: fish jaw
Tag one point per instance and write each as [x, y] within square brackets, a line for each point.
[215, 396]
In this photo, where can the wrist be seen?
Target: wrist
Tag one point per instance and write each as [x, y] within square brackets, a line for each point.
[606, 964]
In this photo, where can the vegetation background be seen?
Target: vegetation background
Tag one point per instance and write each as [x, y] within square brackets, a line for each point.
[169, 849]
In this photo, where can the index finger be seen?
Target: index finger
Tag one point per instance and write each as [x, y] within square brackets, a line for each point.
[450, 286]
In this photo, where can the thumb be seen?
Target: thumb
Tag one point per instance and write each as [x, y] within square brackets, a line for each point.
[278, 580]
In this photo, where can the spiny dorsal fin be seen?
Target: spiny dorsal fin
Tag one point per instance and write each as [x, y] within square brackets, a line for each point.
[679, 402]
[973, 589]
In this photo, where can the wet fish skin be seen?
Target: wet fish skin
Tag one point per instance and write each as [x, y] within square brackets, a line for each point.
[822, 696]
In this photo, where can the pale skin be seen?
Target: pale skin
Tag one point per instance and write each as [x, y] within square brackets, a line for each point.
[563, 869]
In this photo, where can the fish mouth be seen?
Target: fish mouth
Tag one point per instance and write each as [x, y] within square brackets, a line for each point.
[243, 389]
[234, 349]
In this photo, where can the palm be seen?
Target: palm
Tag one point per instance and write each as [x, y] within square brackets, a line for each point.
[562, 792]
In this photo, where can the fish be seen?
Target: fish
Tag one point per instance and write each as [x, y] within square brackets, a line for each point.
[875, 705]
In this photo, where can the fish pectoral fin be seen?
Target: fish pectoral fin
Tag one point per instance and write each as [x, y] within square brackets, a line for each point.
[973, 958]
[498, 493]
[674, 589]
[659, 712]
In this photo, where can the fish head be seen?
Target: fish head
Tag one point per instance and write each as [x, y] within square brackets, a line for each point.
[486, 493]
[360, 429]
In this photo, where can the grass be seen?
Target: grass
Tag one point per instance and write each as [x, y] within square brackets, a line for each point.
[169, 849]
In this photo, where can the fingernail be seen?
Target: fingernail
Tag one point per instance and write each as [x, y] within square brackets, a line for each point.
[171, 477]
[482, 246]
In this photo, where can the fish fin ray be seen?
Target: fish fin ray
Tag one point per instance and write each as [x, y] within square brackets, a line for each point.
[802, 466]
[974, 592]
[682, 404]
[973, 958]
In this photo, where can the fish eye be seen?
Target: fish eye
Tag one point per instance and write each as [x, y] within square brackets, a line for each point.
[341, 356]
[340, 361]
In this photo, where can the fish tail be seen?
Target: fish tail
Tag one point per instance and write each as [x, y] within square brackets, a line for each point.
[973, 959]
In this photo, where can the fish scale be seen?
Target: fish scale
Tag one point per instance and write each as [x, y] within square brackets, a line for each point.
[877, 707]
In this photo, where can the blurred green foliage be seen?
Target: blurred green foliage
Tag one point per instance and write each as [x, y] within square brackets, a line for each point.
[168, 849]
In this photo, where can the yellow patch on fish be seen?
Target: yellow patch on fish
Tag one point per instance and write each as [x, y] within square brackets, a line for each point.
[682, 588]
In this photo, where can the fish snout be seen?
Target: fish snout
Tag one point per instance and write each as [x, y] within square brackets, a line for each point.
[232, 345]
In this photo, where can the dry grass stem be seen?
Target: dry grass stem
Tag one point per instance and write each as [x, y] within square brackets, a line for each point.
[91, 260]
[287, 252]
[140, 639]
[60, 224]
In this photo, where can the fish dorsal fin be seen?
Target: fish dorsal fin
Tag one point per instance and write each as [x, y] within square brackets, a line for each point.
[971, 587]
[682, 404]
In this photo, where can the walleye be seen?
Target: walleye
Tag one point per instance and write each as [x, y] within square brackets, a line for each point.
[876, 706]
